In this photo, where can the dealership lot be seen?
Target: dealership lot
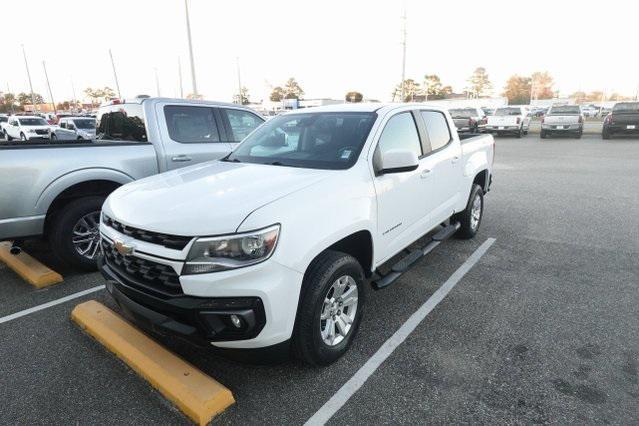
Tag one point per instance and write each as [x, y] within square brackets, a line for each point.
[542, 329]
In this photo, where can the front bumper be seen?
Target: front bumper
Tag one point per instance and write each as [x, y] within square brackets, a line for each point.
[264, 297]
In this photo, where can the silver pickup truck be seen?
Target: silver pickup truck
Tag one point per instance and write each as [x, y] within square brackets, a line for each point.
[56, 189]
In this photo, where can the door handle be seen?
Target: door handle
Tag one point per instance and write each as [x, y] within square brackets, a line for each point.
[424, 174]
[180, 158]
[455, 159]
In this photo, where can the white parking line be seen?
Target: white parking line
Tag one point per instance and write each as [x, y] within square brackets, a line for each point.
[50, 304]
[354, 383]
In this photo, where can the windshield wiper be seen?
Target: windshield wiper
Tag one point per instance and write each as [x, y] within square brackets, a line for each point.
[235, 160]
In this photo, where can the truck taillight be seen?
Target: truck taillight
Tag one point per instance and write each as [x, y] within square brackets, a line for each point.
[608, 119]
[543, 119]
[518, 120]
[471, 122]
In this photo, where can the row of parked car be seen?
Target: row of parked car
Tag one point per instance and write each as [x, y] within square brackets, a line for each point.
[33, 127]
[558, 119]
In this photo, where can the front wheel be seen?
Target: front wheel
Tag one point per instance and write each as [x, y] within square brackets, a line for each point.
[23, 138]
[75, 232]
[330, 308]
[53, 137]
[7, 137]
[470, 218]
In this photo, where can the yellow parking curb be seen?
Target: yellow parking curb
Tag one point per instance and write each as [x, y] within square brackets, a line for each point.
[193, 392]
[28, 268]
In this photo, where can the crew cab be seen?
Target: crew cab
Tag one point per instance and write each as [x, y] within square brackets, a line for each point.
[26, 127]
[469, 120]
[73, 128]
[271, 247]
[512, 120]
[622, 120]
[563, 119]
[56, 188]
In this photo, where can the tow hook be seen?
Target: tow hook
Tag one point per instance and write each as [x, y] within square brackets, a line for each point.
[15, 247]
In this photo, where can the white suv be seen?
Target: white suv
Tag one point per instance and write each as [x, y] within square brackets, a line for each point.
[26, 127]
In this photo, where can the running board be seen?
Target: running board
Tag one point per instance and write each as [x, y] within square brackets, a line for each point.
[382, 281]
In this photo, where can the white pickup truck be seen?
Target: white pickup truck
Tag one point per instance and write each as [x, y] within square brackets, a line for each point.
[512, 120]
[273, 246]
[563, 119]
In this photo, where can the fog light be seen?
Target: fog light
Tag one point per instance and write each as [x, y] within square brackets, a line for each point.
[237, 322]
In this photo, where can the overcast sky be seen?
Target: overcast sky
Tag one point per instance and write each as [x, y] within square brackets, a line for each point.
[329, 46]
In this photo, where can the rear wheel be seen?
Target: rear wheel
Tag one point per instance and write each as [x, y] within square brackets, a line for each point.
[471, 217]
[519, 133]
[578, 135]
[543, 134]
[75, 233]
[330, 308]
[605, 134]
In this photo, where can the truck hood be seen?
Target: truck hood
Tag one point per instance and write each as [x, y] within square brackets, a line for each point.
[206, 199]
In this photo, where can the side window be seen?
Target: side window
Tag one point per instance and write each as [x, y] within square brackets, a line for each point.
[70, 125]
[63, 124]
[191, 124]
[242, 123]
[400, 132]
[436, 128]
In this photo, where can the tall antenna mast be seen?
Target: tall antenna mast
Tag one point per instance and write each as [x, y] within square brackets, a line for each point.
[403, 89]
[46, 76]
[26, 64]
[115, 75]
[188, 33]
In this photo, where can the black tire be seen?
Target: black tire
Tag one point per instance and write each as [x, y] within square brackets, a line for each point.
[23, 138]
[307, 343]
[543, 134]
[605, 134]
[61, 231]
[519, 133]
[53, 137]
[7, 137]
[467, 230]
[578, 135]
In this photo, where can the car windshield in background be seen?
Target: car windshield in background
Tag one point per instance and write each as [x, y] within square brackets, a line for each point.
[565, 110]
[462, 113]
[626, 107]
[32, 122]
[322, 140]
[508, 111]
[4, 119]
[84, 124]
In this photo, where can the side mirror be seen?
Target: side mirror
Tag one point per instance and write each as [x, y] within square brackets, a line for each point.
[398, 161]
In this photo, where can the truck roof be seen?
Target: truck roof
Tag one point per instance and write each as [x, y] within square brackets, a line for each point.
[363, 107]
[141, 100]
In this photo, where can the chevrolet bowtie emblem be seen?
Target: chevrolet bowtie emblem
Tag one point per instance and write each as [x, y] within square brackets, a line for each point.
[123, 248]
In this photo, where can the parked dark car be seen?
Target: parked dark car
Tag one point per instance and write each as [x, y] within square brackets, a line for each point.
[622, 120]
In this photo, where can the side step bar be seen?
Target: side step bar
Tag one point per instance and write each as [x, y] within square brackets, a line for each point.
[403, 265]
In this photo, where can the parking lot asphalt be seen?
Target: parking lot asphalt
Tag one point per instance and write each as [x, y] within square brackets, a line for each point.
[543, 329]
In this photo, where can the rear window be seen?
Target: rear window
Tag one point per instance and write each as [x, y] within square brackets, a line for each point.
[626, 107]
[4, 119]
[565, 110]
[121, 123]
[463, 113]
[508, 111]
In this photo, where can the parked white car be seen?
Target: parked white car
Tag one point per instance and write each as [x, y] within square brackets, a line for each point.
[272, 246]
[4, 119]
[73, 128]
[25, 127]
[563, 119]
[512, 119]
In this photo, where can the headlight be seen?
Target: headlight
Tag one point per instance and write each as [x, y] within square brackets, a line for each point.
[231, 251]
[31, 131]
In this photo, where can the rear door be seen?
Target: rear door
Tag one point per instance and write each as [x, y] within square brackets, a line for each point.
[191, 134]
[442, 160]
[238, 123]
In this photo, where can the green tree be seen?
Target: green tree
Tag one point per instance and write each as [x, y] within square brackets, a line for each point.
[25, 98]
[542, 84]
[92, 94]
[411, 90]
[479, 84]
[245, 97]
[354, 97]
[292, 89]
[7, 102]
[106, 93]
[517, 90]
[596, 96]
[277, 94]
[433, 88]
[579, 97]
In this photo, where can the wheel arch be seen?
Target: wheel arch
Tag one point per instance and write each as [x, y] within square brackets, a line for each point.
[358, 244]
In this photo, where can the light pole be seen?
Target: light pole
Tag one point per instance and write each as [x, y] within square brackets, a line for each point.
[115, 75]
[180, 76]
[239, 83]
[26, 64]
[188, 33]
[403, 89]
[46, 76]
[157, 82]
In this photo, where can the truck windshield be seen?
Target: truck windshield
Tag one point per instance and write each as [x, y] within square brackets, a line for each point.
[32, 122]
[322, 140]
[626, 107]
[565, 110]
[463, 113]
[84, 124]
[508, 111]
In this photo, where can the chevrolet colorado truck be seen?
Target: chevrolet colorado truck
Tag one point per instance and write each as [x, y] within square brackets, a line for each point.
[273, 247]
[562, 119]
[469, 120]
[55, 188]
